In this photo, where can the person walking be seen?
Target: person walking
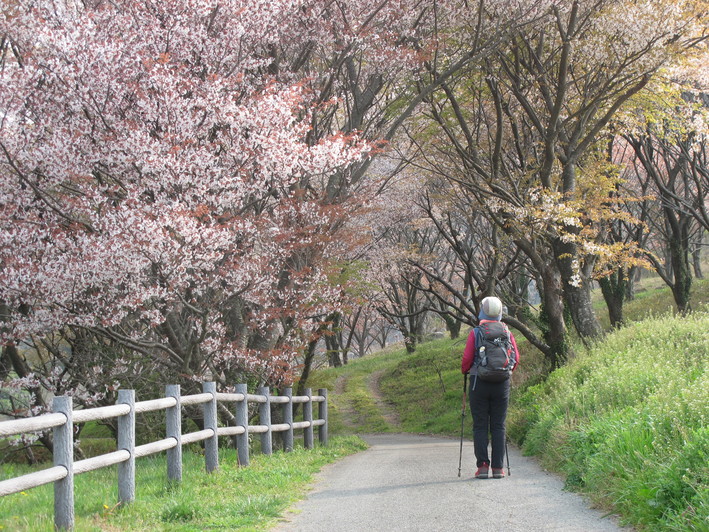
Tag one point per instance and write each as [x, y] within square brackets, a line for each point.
[490, 357]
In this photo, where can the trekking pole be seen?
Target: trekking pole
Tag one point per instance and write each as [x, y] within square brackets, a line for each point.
[462, 424]
[507, 454]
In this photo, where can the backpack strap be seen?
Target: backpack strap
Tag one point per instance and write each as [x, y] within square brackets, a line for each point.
[510, 351]
[478, 344]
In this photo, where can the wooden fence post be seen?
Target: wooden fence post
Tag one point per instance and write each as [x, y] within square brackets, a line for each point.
[173, 426]
[211, 445]
[264, 411]
[63, 437]
[242, 420]
[322, 414]
[308, 416]
[288, 418]
[126, 440]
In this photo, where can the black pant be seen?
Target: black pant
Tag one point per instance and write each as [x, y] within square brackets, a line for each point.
[488, 405]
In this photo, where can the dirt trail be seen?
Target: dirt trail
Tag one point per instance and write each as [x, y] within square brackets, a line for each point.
[386, 409]
[345, 408]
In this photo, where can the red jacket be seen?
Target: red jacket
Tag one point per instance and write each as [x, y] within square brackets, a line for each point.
[469, 353]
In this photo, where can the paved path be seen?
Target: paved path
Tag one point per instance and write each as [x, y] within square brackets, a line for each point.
[410, 482]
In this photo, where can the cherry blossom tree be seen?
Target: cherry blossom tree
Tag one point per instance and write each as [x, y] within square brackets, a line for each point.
[625, 230]
[671, 163]
[660, 148]
[366, 58]
[175, 174]
[570, 79]
[154, 183]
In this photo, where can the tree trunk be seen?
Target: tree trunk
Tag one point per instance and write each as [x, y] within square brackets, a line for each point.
[577, 291]
[361, 349]
[418, 326]
[580, 307]
[633, 276]
[334, 359]
[521, 288]
[697, 256]
[410, 342]
[5, 363]
[552, 320]
[381, 337]
[307, 364]
[668, 260]
[332, 340]
[23, 370]
[679, 251]
[453, 327]
[614, 289]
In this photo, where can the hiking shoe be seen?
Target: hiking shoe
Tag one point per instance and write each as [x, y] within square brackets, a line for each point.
[482, 471]
[498, 473]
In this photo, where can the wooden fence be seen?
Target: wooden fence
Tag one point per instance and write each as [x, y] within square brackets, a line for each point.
[63, 418]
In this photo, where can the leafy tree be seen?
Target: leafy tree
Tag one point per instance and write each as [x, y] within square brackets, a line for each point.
[525, 132]
[671, 151]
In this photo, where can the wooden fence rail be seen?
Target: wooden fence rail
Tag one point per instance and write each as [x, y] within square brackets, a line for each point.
[62, 420]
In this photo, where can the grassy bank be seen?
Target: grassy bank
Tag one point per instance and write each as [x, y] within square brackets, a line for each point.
[233, 498]
[628, 422]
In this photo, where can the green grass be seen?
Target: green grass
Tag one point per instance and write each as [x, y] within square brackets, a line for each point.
[653, 298]
[628, 422]
[427, 388]
[233, 498]
[351, 408]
